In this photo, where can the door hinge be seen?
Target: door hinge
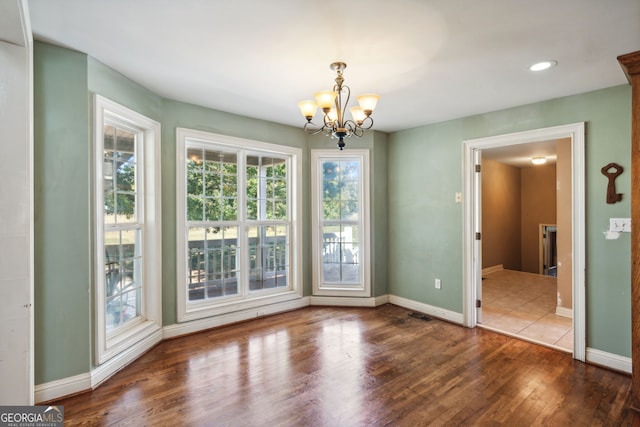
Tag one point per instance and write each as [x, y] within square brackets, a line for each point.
[478, 303]
[478, 168]
[478, 236]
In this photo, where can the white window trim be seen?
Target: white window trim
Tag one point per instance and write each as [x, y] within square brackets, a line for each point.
[192, 311]
[150, 321]
[364, 289]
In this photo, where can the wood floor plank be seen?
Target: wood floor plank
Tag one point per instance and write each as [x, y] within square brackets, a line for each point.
[323, 366]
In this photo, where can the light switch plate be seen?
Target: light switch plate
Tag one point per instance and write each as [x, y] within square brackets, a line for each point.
[620, 224]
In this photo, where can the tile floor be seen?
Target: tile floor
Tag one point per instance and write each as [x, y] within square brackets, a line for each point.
[523, 305]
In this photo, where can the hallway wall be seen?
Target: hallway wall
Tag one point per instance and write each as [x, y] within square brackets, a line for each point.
[538, 206]
[501, 210]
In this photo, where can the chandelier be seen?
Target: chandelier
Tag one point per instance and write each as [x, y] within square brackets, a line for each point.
[334, 104]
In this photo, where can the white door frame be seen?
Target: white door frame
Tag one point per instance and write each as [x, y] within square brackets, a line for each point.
[472, 257]
[16, 236]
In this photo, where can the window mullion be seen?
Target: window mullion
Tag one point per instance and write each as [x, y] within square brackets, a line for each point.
[242, 258]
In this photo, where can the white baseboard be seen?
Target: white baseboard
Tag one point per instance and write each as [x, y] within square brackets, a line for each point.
[381, 300]
[101, 373]
[564, 312]
[438, 312]
[493, 269]
[89, 380]
[175, 330]
[63, 387]
[609, 360]
[349, 301]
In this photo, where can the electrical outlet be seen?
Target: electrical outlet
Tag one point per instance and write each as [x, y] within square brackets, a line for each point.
[438, 284]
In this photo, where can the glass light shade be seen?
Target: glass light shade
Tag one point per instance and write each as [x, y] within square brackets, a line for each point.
[333, 114]
[368, 102]
[358, 115]
[326, 99]
[308, 108]
[539, 160]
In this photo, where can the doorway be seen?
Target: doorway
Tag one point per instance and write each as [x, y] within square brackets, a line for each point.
[472, 257]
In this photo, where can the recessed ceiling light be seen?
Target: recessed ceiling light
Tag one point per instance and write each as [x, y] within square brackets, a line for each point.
[539, 160]
[543, 65]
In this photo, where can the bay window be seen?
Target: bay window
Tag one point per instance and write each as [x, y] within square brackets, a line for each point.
[238, 234]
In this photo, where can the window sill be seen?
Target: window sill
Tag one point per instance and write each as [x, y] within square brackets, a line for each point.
[202, 311]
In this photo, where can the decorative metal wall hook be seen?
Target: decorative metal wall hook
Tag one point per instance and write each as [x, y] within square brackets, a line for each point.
[612, 196]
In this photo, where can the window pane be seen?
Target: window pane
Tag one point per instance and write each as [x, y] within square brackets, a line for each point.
[268, 257]
[195, 183]
[266, 188]
[123, 276]
[125, 207]
[230, 209]
[109, 206]
[125, 141]
[213, 262]
[109, 142]
[195, 206]
[340, 254]
[212, 193]
[119, 175]
[212, 185]
[194, 159]
[125, 175]
[340, 190]
[349, 210]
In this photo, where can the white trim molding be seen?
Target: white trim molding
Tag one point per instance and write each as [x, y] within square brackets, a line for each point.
[362, 286]
[609, 360]
[198, 325]
[63, 387]
[493, 269]
[348, 301]
[109, 368]
[148, 213]
[471, 257]
[564, 312]
[440, 313]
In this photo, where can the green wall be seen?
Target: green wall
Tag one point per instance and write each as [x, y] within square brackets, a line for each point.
[65, 83]
[62, 247]
[377, 144]
[416, 224]
[113, 85]
[425, 225]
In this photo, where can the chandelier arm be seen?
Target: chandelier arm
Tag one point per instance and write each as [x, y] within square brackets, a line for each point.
[366, 123]
[341, 107]
[354, 129]
[313, 129]
[350, 125]
[328, 123]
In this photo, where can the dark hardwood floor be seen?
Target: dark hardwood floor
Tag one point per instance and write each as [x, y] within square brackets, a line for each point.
[323, 366]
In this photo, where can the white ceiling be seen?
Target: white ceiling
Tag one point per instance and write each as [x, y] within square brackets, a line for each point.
[430, 60]
[520, 155]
